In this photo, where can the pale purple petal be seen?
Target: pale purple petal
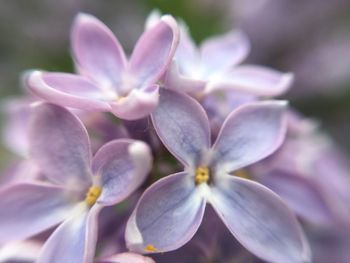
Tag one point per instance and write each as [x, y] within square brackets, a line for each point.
[220, 53]
[182, 125]
[180, 82]
[127, 257]
[154, 51]
[123, 166]
[303, 196]
[74, 240]
[97, 52]
[249, 134]
[17, 115]
[21, 251]
[167, 215]
[27, 209]
[21, 171]
[187, 56]
[252, 79]
[259, 220]
[60, 146]
[137, 104]
[68, 90]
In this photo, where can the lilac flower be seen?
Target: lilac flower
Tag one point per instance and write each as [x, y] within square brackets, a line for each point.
[169, 213]
[76, 188]
[214, 66]
[107, 81]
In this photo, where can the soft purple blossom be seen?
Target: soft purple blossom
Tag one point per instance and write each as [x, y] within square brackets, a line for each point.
[77, 186]
[107, 80]
[169, 212]
[214, 65]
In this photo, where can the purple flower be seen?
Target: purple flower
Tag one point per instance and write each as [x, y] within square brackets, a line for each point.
[214, 66]
[169, 213]
[77, 188]
[107, 80]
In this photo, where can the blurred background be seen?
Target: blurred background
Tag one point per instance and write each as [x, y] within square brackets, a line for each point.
[309, 38]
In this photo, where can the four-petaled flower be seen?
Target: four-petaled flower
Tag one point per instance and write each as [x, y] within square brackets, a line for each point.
[169, 212]
[107, 81]
[215, 66]
[76, 188]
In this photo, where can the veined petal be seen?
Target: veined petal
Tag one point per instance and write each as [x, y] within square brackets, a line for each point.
[154, 51]
[253, 79]
[182, 125]
[97, 52]
[259, 220]
[68, 90]
[123, 166]
[167, 215]
[60, 146]
[27, 209]
[303, 196]
[127, 258]
[220, 53]
[138, 104]
[249, 134]
[74, 240]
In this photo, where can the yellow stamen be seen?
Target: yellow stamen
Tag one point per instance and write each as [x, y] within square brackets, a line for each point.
[243, 174]
[150, 248]
[202, 175]
[92, 195]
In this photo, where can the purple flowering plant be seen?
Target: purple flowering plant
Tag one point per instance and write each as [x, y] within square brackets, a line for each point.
[86, 189]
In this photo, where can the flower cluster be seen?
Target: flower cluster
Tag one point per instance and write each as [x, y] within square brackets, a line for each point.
[95, 150]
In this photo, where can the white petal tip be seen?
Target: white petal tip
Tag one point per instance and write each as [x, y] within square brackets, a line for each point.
[288, 78]
[141, 155]
[83, 18]
[170, 20]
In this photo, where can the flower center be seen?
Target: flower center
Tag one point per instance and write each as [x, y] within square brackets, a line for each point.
[202, 175]
[92, 195]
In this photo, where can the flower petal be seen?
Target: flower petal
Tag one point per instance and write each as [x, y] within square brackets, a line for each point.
[60, 146]
[123, 166]
[67, 90]
[180, 82]
[127, 258]
[17, 115]
[154, 51]
[252, 79]
[303, 196]
[27, 209]
[187, 55]
[167, 215]
[249, 134]
[220, 53]
[22, 251]
[259, 220]
[138, 103]
[182, 125]
[74, 240]
[97, 52]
